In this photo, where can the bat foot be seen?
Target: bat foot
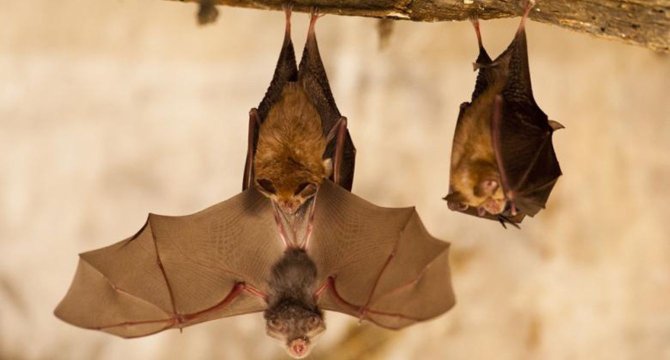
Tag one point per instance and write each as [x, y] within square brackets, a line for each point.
[475, 23]
[314, 16]
[529, 6]
[288, 10]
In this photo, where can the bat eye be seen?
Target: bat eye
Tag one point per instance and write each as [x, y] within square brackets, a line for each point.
[275, 324]
[305, 189]
[314, 321]
[266, 185]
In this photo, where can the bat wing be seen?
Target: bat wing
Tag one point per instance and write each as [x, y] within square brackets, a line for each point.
[286, 71]
[522, 136]
[177, 271]
[380, 264]
[313, 76]
[485, 75]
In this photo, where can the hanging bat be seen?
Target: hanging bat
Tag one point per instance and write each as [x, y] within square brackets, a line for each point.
[503, 164]
[297, 137]
[377, 264]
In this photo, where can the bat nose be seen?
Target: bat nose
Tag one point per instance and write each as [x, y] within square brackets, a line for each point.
[298, 348]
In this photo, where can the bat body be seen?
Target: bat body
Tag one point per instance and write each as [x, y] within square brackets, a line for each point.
[378, 264]
[297, 137]
[503, 164]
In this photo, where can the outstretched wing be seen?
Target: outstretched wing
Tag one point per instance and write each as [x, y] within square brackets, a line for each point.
[378, 264]
[177, 271]
[522, 135]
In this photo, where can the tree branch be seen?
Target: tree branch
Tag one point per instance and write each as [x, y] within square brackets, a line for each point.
[641, 22]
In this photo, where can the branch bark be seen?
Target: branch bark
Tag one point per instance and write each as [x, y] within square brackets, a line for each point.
[641, 22]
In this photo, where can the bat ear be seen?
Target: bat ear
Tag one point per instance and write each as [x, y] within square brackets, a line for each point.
[556, 125]
[328, 166]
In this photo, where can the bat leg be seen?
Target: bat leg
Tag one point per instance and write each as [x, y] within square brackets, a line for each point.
[483, 59]
[475, 23]
[288, 9]
[522, 26]
[254, 125]
[314, 16]
[338, 132]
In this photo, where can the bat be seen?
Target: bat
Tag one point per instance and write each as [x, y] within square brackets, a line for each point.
[503, 164]
[377, 264]
[297, 136]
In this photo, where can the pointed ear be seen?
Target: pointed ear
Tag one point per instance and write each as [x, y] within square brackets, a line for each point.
[328, 166]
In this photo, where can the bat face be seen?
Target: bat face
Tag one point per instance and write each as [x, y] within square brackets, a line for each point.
[292, 316]
[475, 179]
[288, 163]
[296, 328]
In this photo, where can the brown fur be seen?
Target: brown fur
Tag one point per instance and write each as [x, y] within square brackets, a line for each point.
[473, 159]
[291, 145]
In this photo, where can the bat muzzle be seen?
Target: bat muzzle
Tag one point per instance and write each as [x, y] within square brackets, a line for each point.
[299, 348]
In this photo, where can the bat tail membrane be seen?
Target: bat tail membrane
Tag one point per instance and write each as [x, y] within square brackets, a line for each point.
[312, 76]
[285, 71]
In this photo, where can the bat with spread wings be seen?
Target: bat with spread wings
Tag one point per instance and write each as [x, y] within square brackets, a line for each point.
[503, 164]
[377, 264]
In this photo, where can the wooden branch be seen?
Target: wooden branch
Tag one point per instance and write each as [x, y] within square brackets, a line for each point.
[640, 22]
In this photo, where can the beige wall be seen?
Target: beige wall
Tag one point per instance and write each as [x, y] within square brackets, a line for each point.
[110, 109]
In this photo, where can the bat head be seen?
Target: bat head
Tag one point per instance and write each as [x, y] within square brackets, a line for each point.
[478, 186]
[297, 326]
[291, 197]
[290, 190]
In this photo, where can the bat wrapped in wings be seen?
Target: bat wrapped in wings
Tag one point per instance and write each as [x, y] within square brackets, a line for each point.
[297, 136]
[503, 164]
[377, 264]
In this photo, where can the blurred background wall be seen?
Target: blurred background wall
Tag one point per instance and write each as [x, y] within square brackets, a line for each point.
[110, 109]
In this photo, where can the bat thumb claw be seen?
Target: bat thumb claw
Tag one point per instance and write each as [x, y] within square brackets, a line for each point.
[555, 125]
